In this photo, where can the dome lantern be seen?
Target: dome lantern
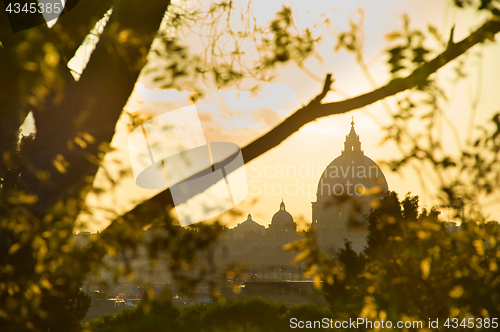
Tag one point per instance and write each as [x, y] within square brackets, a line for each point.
[282, 216]
[352, 143]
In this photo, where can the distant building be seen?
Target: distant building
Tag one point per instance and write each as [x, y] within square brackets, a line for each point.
[248, 228]
[260, 249]
[348, 188]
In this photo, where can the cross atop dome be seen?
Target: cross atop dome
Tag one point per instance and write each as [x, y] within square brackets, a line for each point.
[352, 143]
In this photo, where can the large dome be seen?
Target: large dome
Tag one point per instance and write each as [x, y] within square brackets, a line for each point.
[282, 217]
[352, 173]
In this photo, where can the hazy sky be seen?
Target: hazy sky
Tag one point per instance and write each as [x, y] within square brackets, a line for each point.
[240, 117]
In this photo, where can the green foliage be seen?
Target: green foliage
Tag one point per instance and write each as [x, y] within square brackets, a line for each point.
[418, 267]
[492, 6]
[40, 274]
[480, 159]
[390, 221]
[278, 43]
[415, 267]
[40, 268]
[464, 179]
[409, 51]
[232, 315]
[343, 294]
[287, 43]
[245, 312]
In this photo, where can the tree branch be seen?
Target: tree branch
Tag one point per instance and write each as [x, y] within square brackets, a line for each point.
[92, 105]
[315, 111]
[326, 88]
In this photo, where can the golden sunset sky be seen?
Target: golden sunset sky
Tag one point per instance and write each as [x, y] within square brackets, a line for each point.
[239, 116]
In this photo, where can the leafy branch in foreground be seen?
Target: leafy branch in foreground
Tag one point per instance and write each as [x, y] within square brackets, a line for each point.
[414, 267]
[249, 50]
[419, 267]
[462, 176]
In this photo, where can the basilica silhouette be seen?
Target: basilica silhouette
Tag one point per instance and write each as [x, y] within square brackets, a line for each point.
[348, 188]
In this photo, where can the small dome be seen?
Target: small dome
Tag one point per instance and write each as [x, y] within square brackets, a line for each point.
[282, 216]
[247, 226]
[250, 222]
